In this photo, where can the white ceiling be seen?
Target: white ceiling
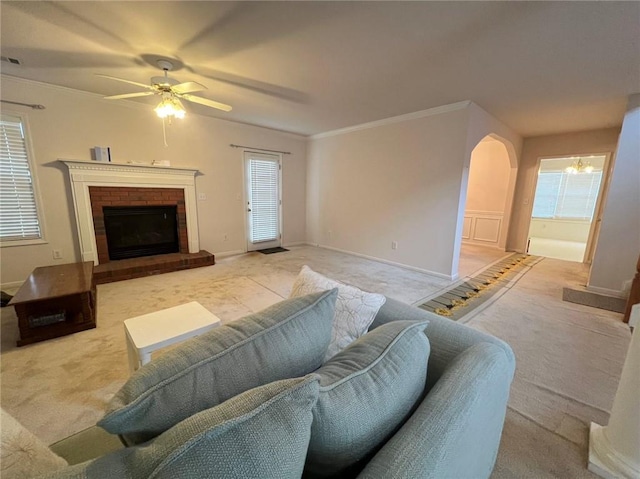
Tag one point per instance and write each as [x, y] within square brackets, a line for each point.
[310, 67]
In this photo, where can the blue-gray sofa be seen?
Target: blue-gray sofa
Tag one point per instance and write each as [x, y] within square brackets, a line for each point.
[452, 430]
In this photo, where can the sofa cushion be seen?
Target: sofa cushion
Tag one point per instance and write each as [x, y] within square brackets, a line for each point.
[286, 340]
[355, 309]
[22, 454]
[366, 393]
[261, 433]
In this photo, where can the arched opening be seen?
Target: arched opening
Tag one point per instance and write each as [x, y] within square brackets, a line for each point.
[486, 207]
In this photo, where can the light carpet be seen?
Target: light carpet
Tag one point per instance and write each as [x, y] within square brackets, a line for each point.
[569, 356]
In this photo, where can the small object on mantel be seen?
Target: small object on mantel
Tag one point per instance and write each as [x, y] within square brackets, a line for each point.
[101, 154]
[161, 163]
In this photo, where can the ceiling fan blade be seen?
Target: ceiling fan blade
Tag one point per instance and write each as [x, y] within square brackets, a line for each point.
[142, 85]
[188, 87]
[129, 95]
[206, 102]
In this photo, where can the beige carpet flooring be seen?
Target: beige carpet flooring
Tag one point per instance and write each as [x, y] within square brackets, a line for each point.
[569, 356]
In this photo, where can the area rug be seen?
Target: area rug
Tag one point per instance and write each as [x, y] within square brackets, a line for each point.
[467, 295]
[277, 249]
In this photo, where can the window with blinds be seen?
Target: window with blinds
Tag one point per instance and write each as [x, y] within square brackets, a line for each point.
[18, 211]
[564, 195]
[265, 204]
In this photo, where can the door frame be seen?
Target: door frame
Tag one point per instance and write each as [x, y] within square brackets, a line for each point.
[594, 231]
[245, 193]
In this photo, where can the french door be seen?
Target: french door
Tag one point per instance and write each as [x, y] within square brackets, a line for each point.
[262, 194]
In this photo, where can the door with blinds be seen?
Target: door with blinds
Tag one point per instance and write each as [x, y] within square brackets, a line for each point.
[262, 180]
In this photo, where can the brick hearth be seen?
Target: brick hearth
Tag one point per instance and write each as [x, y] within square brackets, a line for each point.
[128, 196]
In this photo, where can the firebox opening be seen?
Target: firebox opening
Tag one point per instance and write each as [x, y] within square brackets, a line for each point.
[134, 231]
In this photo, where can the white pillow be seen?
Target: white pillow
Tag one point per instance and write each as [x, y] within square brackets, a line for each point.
[355, 309]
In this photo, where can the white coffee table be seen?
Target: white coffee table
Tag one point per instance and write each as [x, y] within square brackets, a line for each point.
[150, 332]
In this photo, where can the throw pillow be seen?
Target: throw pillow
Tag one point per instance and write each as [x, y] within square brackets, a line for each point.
[286, 340]
[261, 433]
[22, 454]
[355, 309]
[366, 393]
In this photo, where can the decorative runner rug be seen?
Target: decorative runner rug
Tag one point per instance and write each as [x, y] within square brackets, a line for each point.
[467, 295]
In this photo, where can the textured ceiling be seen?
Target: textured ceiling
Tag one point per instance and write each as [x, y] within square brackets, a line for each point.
[310, 67]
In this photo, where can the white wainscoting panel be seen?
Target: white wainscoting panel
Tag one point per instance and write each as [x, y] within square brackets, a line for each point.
[466, 228]
[482, 227]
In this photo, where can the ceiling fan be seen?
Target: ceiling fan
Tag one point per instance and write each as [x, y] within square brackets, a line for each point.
[171, 91]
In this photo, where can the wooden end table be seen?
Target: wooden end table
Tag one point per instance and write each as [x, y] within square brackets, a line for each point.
[55, 301]
[150, 332]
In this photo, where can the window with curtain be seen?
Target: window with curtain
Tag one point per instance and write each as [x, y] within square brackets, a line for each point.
[562, 195]
[18, 210]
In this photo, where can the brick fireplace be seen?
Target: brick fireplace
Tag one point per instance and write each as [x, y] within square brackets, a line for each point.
[95, 185]
[101, 196]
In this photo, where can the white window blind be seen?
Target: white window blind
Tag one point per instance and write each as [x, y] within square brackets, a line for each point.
[264, 200]
[18, 212]
[547, 193]
[564, 195]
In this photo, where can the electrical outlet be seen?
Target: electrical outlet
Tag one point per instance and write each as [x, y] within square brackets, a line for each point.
[226, 238]
[394, 245]
[57, 254]
[202, 196]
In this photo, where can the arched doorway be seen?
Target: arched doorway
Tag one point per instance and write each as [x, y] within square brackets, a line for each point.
[486, 206]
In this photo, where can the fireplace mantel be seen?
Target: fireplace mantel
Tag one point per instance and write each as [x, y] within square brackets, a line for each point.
[84, 174]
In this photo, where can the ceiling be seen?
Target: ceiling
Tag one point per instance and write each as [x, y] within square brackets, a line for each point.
[311, 67]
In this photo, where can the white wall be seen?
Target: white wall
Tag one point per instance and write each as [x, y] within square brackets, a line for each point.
[488, 177]
[398, 180]
[584, 142]
[73, 122]
[393, 182]
[487, 193]
[480, 125]
[619, 242]
[564, 230]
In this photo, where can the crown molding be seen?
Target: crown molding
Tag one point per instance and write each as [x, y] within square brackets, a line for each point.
[438, 110]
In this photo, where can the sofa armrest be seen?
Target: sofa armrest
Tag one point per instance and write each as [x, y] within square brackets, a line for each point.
[448, 339]
[455, 432]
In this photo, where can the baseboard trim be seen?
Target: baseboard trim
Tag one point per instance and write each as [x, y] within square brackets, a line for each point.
[609, 292]
[392, 263]
[296, 243]
[11, 285]
[224, 254]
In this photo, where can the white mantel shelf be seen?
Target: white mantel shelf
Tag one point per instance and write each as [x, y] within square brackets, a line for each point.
[128, 167]
[84, 174]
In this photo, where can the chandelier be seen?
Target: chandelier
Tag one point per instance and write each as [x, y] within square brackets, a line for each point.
[579, 167]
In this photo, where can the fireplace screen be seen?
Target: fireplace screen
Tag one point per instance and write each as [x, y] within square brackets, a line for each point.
[134, 231]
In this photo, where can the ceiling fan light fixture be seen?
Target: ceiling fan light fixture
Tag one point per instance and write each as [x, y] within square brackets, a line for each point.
[170, 107]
